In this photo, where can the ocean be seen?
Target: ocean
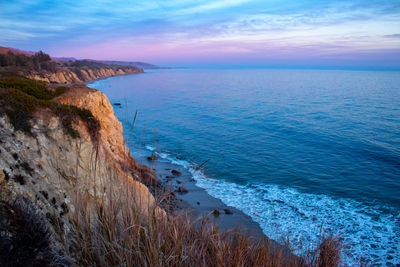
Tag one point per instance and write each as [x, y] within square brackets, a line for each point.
[296, 150]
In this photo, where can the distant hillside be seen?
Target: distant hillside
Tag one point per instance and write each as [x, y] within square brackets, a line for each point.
[41, 66]
[5, 50]
[64, 58]
[138, 64]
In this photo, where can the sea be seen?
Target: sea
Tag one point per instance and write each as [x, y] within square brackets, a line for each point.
[303, 152]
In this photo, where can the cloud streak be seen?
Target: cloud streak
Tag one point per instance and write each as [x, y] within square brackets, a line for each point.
[238, 30]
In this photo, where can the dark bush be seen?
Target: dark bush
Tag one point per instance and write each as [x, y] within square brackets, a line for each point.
[23, 60]
[24, 237]
[20, 179]
[11, 59]
[41, 57]
[87, 63]
[18, 106]
[68, 113]
[3, 60]
[38, 61]
[49, 66]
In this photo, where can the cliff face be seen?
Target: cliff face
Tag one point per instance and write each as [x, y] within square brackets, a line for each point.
[111, 140]
[48, 166]
[81, 75]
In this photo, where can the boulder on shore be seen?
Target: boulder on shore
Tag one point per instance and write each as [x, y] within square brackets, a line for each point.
[228, 211]
[216, 213]
[176, 173]
[182, 190]
[152, 157]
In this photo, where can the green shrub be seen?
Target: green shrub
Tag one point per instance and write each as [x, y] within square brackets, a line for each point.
[59, 91]
[20, 98]
[19, 107]
[34, 88]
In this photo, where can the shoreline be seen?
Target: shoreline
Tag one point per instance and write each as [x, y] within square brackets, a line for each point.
[196, 200]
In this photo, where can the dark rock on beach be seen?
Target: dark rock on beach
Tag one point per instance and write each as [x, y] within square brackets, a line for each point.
[176, 173]
[228, 211]
[216, 213]
[182, 190]
[152, 157]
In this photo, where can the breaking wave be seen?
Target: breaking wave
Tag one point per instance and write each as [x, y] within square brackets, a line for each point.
[371, 233]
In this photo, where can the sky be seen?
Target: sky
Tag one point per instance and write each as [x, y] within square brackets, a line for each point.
[350, 33]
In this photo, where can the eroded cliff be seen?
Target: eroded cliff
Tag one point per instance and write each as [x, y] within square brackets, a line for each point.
[80, 75]
[48, 166]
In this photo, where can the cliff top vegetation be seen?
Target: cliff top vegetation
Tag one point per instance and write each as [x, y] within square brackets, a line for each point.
[41, 61]
[20, 98]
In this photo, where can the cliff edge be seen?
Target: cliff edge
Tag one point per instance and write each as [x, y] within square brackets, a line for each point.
[60, 154]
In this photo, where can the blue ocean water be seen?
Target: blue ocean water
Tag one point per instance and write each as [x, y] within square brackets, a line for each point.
[297, 150]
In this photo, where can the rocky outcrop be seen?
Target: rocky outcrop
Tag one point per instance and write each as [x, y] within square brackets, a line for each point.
[81, 75]
[110, 137]
[110, 133]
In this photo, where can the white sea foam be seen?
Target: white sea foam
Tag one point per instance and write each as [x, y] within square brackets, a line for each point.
[150, 148]
[371, 235]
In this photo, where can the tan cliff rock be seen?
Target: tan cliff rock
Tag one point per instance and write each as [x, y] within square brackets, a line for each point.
[48, 166]
[81, 75]
[110, 133]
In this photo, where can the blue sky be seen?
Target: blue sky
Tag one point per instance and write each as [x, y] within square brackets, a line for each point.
[184, 33]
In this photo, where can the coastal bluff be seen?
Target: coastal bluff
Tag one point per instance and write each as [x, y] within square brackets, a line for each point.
[46, 168]
[40, 66]
[81, 75]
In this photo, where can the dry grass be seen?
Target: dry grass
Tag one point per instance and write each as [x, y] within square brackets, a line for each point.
[111, 231]
[25, 239]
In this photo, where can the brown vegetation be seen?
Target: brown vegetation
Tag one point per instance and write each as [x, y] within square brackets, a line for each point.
[111, 232]
[25, 239]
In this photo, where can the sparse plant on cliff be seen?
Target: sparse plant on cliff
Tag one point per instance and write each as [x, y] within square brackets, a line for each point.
[68, 114]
